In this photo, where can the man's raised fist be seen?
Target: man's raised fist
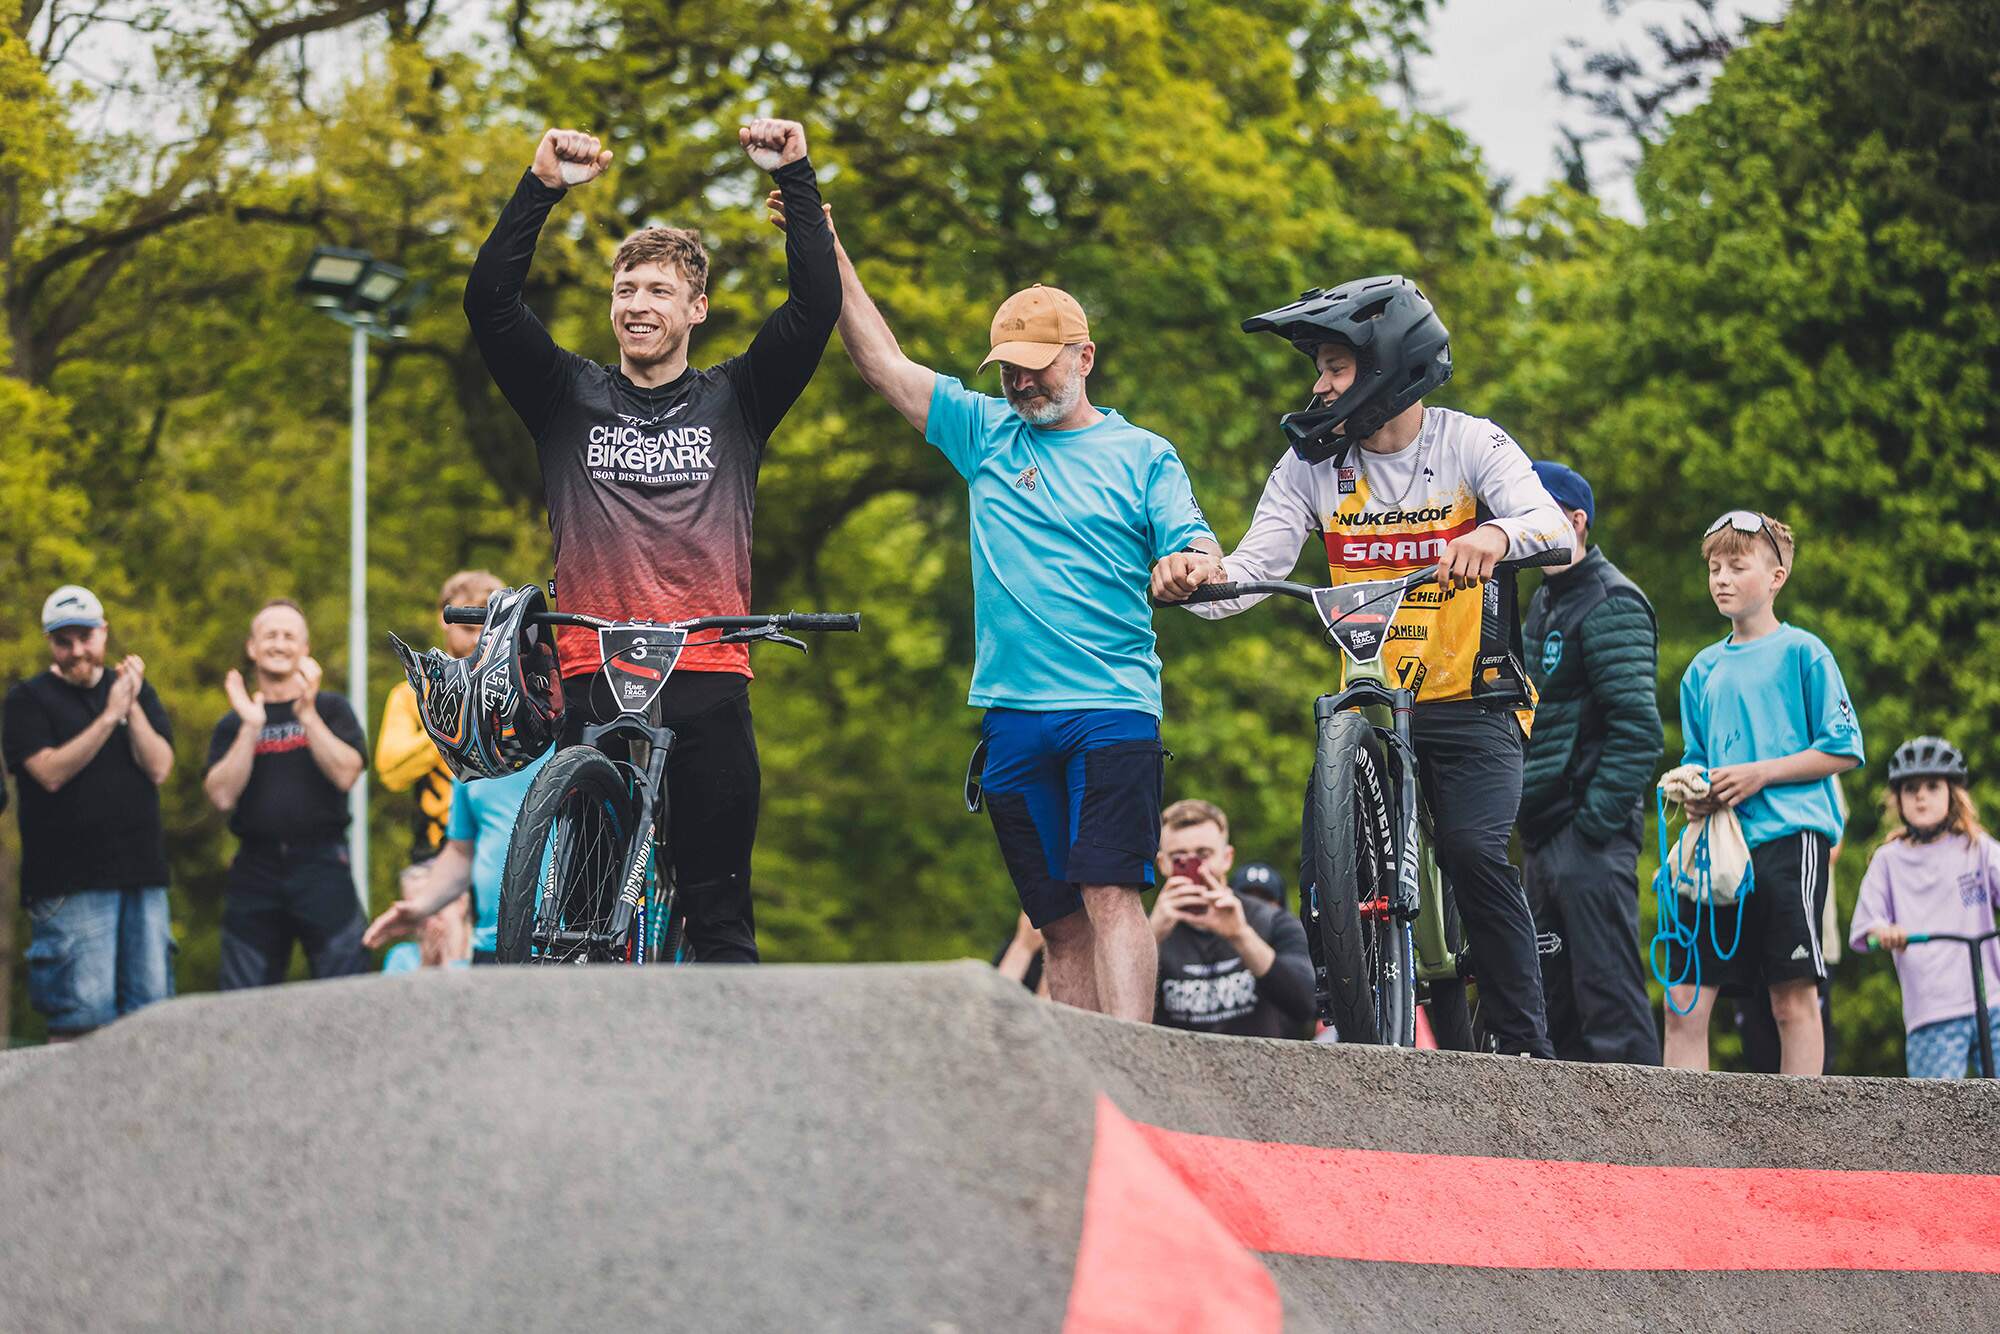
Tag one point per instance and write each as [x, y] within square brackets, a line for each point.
[773, 143]
[569, 157]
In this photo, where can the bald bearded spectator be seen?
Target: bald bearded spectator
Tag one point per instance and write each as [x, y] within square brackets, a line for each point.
[281, 763]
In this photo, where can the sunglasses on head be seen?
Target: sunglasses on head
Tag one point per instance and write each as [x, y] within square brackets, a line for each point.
[1748, 521]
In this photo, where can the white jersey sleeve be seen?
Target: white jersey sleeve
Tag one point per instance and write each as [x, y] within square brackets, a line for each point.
[1286, 516]
[1521, 506]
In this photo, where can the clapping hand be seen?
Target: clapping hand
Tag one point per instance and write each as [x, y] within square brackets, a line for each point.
[249, 707]
[309, 675]
[125, 683]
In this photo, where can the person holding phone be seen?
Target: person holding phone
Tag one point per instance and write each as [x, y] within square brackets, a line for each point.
[1228, 963]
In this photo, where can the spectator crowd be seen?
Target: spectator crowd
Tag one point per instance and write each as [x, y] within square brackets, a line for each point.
[1767, 728]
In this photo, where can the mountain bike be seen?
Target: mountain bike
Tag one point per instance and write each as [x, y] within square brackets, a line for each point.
[1380, 918]
[589, 871]
[1972, 944]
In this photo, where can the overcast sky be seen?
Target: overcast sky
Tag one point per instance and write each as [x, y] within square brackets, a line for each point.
[1491, 71]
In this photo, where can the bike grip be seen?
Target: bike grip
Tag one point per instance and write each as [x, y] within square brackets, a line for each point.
[1540, 558]
[1208, 593]
[465, 615]
[821, 620]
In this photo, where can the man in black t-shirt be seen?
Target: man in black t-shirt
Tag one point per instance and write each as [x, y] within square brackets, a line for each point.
[649, 469]
[281, 763]
[1229, 963]
[90, 748]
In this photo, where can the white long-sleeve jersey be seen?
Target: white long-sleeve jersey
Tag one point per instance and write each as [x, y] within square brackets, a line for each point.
[1444, 645]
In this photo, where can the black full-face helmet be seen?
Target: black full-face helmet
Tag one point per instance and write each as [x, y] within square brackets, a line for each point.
[1401, 352]
[1927, 757]
[499, 710]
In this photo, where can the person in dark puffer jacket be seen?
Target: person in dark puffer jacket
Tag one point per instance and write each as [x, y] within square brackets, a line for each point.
[1593, 651]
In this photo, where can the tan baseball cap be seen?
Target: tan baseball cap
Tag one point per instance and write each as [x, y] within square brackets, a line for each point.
[1033, 325]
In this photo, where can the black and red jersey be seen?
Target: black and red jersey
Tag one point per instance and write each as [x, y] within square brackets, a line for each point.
[650, 491]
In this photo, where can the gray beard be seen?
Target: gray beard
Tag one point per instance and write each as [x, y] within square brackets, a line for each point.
[1048, 411]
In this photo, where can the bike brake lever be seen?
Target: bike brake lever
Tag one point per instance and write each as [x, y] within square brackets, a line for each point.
[763, 633]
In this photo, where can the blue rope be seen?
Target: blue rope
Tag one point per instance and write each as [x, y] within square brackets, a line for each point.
[1699, 873]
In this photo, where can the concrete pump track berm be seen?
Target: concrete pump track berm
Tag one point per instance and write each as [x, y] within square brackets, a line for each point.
[927, 1148]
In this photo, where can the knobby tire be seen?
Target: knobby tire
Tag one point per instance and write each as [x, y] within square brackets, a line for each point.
[1365, 964]
[581, 799]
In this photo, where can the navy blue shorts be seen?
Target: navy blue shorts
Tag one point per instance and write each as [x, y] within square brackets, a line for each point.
[1075, 800]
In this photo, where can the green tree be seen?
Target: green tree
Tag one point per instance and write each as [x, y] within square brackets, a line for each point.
[1806, 324]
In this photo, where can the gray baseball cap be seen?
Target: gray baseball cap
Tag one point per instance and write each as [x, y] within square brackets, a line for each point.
[71, 605]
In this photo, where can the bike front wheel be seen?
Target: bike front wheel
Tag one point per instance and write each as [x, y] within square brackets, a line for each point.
[1363, 951]
[560, 886]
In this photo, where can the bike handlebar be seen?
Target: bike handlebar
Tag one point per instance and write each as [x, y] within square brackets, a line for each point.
[1304, 592]
[790, 620]
[1919, 937]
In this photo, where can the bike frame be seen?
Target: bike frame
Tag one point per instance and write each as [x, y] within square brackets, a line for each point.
[1419, 895]
[1365, 687]
[650, 745]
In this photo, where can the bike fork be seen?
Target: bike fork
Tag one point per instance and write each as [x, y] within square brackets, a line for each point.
[626, 942]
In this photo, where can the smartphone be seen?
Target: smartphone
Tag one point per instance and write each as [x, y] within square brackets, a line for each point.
[1188, 865]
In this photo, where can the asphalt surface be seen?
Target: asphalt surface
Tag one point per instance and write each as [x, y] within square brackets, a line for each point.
[850, 1148]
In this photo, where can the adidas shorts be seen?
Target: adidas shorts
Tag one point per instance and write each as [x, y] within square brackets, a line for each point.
[1781, 919]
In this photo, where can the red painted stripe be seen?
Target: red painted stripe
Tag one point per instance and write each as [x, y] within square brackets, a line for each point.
[1151, 1259]
[1525, 1213]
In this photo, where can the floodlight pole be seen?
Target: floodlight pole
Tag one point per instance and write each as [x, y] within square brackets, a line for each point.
[357, 599]
[353, 287]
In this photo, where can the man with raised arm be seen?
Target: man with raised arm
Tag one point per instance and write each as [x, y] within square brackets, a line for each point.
[1389, 486]
[649, 469]
[1075, 511]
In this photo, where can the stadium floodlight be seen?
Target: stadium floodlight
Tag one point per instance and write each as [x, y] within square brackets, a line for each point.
[352, 280]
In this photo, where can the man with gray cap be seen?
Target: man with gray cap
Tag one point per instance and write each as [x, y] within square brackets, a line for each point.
[89, 748]
[1075, 514]
[1593, 652]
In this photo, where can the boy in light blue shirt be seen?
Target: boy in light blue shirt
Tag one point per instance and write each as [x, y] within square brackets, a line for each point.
[473, 857]
[1077, 515]
[1766, 713]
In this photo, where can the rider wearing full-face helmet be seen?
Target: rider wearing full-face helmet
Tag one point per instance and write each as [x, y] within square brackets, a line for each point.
[1390, 486]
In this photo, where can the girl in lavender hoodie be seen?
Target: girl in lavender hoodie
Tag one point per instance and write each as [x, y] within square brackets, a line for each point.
[1937, 871]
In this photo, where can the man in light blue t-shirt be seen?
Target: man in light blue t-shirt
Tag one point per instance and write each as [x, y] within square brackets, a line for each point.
[1076, 515]
[473, 856]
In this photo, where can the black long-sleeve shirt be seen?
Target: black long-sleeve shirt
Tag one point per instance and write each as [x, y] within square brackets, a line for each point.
[1205, 985]
[650, 491]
